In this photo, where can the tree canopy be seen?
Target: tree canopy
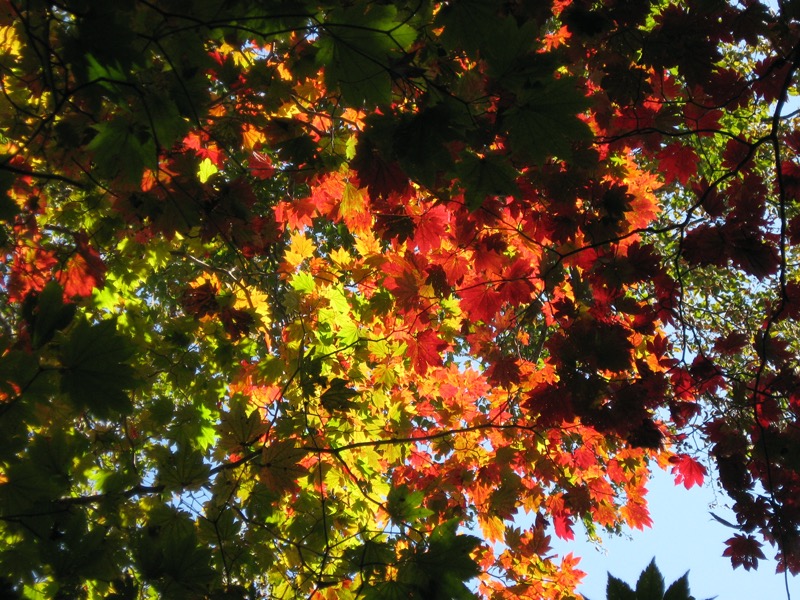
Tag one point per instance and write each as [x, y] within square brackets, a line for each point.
[369, 299]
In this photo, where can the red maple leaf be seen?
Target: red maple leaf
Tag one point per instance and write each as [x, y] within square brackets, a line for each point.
[480, 301]
[563, 526]
[517, 287]
[403, 281]
[455, 267]
[636, 513]
[732, 343]
[743, 551]
[236, 322]
[677, 163]
[295, 215]
[736, 154]
[751, 252]
[260, 165]
[687, 470]
[327, 193]
[489, 255]
[504, 372]
[85, 270]
[30, 271]
[201, 300]
[683, 412]
[701, 118]
[380, 176]
[706, 245]
[771, 73]
[426, 350]
[431, 227]
[76, 278]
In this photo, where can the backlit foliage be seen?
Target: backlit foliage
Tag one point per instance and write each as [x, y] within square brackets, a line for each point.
[370, 299]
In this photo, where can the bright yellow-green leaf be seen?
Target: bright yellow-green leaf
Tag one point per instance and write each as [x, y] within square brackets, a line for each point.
[206, 170]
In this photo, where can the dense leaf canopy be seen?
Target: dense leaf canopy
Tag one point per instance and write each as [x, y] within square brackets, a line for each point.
[368, 299]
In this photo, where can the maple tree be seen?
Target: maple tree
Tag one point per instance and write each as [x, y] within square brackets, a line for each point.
[368, 300]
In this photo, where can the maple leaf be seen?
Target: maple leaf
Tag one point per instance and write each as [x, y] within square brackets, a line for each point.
[492, 527]
[701, 118]
[338, 396]
[425, 350]
[260, 165]
[85, 270]
[280, 466]
[706, 245]
[201, 300]
[687, 470]
[404, 283]
[503, 372]
[301, 247]
[736, 154]
[381, 176]
[295, 215]
[678, 162]
[563, 526]
[97, 371]
[237, 322]
[404, 506]
[752, 252]
[517, 287]
[743, 550]
[430, 228]
[480, 301]
[30, 271]
[77, 279]
[636, 513]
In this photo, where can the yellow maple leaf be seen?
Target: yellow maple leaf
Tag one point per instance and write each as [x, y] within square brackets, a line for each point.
[493, 528]
[206, 170]
[368, 245]
[255, 300]
[341, 258]
[251, 136]
[352, 201]
[9, 40]
[300, 248]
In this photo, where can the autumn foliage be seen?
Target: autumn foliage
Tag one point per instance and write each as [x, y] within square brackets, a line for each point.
[370, 300]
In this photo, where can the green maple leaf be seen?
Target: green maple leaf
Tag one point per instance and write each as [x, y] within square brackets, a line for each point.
[122, 148]
[96, 369]
[404, 505]
[544, 123]
[650, 583]
[184, 469]
[616, 589]
[357, 49]
[439, 569]
[337, 396]
[47, 313]
[486, 176]
[468, 24]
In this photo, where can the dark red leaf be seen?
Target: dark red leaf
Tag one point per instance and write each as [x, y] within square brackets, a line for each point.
[677, 162]
[426, 350]
[744, 551]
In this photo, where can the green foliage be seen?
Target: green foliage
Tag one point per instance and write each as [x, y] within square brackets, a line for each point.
[545, 122]
[96, 369]
[359, 47]
[649, 586]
